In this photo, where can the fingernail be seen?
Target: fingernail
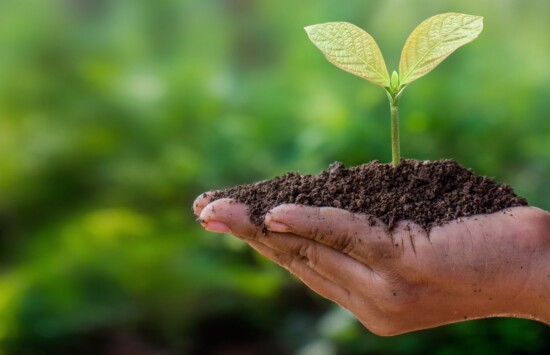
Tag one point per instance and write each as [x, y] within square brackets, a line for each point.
[277, 227]
[216, 227]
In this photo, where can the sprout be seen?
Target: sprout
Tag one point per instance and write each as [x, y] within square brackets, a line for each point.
[355, 51]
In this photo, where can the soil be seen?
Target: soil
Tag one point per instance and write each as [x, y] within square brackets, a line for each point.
[428, 193]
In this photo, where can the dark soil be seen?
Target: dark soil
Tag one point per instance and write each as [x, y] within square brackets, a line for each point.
[428, 193]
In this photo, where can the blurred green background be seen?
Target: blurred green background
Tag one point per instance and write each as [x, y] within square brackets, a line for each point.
[115, 114]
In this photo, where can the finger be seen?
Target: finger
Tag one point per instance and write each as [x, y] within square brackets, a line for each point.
[307, 275]
[229, 216]
[331, 264]
[358, 235]
[201, 201]
[356, 298]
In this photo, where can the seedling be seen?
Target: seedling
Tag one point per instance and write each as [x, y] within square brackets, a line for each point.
[355, 51]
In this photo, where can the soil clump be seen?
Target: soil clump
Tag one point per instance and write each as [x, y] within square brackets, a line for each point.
[428, 193]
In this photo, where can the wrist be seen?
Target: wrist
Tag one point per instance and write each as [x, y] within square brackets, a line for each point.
[515, 281]
[534, 301]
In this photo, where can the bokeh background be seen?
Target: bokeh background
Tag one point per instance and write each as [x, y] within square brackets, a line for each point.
[114, 115]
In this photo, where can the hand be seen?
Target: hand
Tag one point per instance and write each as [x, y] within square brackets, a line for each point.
[405, 279]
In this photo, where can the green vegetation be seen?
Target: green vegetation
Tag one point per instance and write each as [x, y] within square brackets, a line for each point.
[115, 115]
[355, 51]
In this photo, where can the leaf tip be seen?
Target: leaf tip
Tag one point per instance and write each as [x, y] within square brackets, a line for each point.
[479, 18]
[310, 29]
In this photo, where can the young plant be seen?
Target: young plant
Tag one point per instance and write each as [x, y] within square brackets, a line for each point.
[355, 51]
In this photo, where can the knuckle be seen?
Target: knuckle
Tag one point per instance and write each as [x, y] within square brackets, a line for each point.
[305, 252]
[345, 242]
[315, 233]
[283, 260]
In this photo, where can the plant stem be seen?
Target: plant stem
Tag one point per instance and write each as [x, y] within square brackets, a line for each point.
[395, 149]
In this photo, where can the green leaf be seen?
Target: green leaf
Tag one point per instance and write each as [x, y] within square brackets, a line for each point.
[434, 40]
[351, 49]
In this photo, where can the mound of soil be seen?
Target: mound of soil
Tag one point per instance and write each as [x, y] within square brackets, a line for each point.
[428, 193]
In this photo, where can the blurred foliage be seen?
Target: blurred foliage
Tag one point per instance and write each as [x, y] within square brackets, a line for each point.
[114, 115]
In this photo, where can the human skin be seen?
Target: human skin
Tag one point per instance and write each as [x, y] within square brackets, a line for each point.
[404, 279]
